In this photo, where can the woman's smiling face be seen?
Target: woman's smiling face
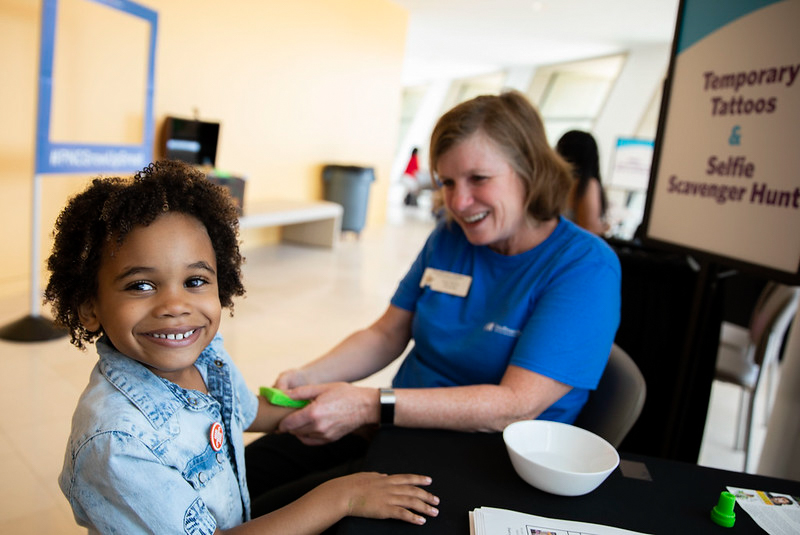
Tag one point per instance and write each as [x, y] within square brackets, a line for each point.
[157, 295]
[484, 195]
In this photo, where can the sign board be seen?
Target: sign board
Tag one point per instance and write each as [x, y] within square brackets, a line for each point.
[632, 160]
[726, 172]
[65, 156]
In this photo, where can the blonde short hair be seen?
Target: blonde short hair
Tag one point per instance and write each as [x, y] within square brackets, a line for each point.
[514, 125]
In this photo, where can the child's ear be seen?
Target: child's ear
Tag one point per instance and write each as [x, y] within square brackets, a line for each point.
[88, 317]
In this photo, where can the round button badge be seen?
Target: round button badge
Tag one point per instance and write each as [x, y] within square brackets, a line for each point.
[217, 436]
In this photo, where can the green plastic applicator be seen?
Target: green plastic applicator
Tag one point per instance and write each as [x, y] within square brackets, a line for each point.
[722, 513]
[278, 397]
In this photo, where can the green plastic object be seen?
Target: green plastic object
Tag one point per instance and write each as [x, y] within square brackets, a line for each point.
[722, 513]
[278, 397]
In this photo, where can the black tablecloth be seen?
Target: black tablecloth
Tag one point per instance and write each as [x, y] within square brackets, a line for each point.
[473, 470]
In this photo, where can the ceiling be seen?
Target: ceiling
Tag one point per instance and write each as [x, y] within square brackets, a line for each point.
[458, 38]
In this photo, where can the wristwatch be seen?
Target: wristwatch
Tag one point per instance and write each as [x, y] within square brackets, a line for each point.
[387, 398]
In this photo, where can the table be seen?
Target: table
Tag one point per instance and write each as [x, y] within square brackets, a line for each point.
[471, 470]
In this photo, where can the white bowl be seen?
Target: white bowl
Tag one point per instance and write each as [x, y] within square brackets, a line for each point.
[559, 458]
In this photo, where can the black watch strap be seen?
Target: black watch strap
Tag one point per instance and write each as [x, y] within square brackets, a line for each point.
[387, 398]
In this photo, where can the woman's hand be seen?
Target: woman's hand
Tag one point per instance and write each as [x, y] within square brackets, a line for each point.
[336, 409]
[373, 495]
[291, 379]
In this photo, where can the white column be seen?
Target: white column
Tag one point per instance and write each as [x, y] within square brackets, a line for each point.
[779, 457]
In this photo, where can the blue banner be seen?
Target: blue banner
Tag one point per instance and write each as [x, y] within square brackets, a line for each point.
[90, 158]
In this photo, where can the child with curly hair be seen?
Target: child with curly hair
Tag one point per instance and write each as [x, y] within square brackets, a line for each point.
[144, 266]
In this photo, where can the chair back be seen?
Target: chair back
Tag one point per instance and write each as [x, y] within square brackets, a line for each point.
[771, 318]
[615, 405]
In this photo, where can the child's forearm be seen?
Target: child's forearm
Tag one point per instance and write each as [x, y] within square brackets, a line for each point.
[268, 416]
[364, 494]
[312, 513]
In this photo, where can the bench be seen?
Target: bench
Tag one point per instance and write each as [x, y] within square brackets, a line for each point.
[308, 222]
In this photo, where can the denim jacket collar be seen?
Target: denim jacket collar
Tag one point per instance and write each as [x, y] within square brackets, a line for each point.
[157, 399]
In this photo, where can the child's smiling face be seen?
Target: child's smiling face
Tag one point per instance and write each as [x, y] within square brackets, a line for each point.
[157, 296]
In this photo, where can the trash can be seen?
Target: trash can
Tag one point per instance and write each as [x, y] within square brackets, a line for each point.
[348, 185]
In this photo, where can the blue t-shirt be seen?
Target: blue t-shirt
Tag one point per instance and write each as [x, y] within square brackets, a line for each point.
[140, 457]
[553, 310]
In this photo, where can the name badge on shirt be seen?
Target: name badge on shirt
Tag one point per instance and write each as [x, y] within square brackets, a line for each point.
[446, 282]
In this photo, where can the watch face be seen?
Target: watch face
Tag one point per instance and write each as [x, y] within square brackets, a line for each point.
[387, 399]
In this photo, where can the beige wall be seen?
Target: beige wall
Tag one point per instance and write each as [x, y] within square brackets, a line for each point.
[295, 85]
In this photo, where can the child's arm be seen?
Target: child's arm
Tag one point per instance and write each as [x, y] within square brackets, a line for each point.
[268, 416]
[365, 494]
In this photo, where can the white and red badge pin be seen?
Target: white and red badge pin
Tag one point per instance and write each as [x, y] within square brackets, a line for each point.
[217, 436]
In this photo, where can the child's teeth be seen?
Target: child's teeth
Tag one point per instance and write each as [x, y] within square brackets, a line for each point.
[179, 336]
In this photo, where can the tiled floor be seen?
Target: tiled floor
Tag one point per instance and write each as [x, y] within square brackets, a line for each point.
[300, 301]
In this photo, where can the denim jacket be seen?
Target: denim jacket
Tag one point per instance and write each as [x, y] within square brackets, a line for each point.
[141, 457]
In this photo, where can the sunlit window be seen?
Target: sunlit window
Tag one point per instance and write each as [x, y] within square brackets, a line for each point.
[648, 126]
[572, 95]
[468, 88]
[412, 98]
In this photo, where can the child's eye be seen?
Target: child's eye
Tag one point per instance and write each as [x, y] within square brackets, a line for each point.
[446, 183]
[478, 178]
[140, 286]
[195, 282]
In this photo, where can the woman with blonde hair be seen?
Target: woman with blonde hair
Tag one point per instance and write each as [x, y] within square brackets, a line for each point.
[512, 309]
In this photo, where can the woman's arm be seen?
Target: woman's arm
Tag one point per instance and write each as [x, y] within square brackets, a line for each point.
[359, 355]
[521, 395]
[340, 408]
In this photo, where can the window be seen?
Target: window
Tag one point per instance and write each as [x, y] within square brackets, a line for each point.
[412, 98]
[648, 126]
[571, 95]
[463, 90]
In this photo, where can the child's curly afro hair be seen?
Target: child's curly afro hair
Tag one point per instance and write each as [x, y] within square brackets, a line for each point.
[104, 214]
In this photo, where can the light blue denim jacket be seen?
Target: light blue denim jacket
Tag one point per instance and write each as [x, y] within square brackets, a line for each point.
[140, 459]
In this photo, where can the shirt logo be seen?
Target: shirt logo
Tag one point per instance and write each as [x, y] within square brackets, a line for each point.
[493, 327]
